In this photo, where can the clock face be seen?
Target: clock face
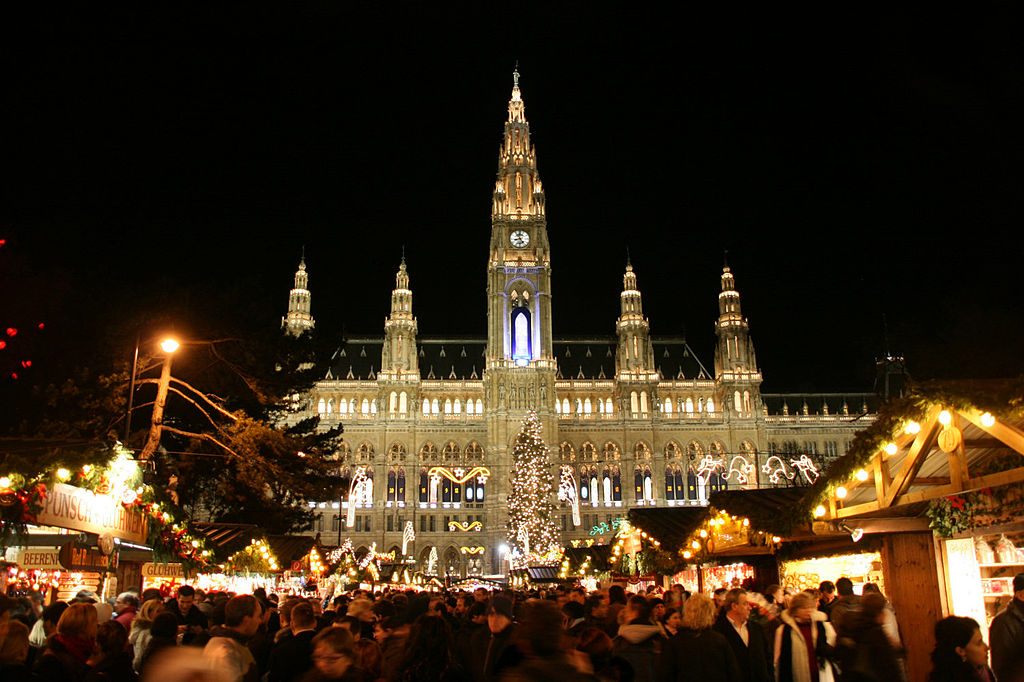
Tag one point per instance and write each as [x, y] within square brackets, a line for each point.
[519, 239]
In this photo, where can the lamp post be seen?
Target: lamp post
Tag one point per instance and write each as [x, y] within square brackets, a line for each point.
[169, 346]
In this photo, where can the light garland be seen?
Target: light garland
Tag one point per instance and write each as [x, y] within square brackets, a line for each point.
[459, 475]
[358, 490]
[472, 550]
[256, 558]
[806, 467]
[775, 470]
[465, 528]
[569, 492]
[743, 472]
[408, 535]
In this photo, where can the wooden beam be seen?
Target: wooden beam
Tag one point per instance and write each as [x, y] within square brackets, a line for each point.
[882, 477]
[857, 509]
[916, 455]
[958, 458]
[988, 481]
[901, 524]
[1008, 434]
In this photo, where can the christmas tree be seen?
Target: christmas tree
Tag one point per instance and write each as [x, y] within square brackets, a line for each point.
[532, 534]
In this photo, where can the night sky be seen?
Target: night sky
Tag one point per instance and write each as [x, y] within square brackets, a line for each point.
[171, 167]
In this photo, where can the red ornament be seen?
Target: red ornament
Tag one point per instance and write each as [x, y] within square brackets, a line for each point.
[41, 325]
[3, 344]
[11, 331]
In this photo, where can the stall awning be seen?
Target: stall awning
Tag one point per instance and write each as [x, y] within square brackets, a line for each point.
[600, 554]
[232, 537]
[671, 526]
[765, 507]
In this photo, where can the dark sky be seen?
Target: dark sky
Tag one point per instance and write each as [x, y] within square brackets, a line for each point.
[173, 165]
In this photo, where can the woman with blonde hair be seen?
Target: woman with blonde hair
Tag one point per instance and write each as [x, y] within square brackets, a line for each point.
[804, 642]
[697, 652]
[69, 648]
[141, 631]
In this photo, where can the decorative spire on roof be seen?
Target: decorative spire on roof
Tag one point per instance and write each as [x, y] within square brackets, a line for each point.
[398, 355]
[299, 318]
[518, 190]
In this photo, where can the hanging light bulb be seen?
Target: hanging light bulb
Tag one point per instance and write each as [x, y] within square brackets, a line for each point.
[841, 492]
[945, 417]
[891, 448]
[987, 420]
[912, 427]
[862, 475]
[819, 511]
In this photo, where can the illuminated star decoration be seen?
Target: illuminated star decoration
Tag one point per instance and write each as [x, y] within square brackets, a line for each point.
[743, 471]
[708, 466]
[776, 469]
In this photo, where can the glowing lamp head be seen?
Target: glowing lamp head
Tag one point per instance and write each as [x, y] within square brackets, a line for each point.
[945, 417]
[695, 544]
[63, 474]
[891, 448]
[862, 475]
[841, 492]
[703, 533]
[819, 511]
[776, 539]
[687, 554]
[987, 420]
[5, 482]
[169, 345]
[912, 428]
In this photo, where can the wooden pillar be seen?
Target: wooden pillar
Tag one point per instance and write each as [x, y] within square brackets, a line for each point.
[911, 571]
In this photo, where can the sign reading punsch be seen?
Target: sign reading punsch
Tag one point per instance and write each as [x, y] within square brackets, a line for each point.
[67, 506]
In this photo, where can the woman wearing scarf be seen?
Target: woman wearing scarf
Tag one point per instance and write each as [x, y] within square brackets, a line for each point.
[67, 651]
[804, 643]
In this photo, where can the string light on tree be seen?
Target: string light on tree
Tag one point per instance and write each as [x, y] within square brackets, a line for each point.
[531, 529]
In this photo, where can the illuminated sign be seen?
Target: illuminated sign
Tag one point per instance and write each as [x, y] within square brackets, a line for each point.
[67, 506]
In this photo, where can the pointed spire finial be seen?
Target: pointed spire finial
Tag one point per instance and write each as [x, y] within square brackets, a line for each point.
[725, 258]
[629, 263]
[515, 76]
[403, 254]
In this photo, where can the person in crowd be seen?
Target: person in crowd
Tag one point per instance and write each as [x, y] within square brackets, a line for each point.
[774, 601]
[748, 641]
[69, 648]
[428, 656]
[191, 620]
[111, 661]
[492, 649]
[719, 598]
[1006, 636]
[697, 652]
[292, 657]
[960, 652]
[616, 602]
[573, 619]
[334, 658]
[163, 634]
[889, 624]
[595, 610]
[47, 624]
[863, 649]
[140, 633]
[151, 593]
[474, 622]
[126, 607]
[670, 623]
[598, 648]
[639, 641]
[226, 649]
[14, 650]
[203, 604]
[827, 598]
[578, 595]
[540, 638]
[284, 614]
[262, 643]
[804, 643]
[845, 603]
[104, 611]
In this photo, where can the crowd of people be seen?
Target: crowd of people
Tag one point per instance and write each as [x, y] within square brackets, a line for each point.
[562, 634]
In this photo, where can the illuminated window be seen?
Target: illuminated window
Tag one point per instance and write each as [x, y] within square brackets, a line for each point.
[689, 405]
[365, 406]
[522, 344]
[403, 402]
[321, 406]
[392, 402]
[470, 408]
[434, 406]
[668, 406]
[608, 409]
[634, 403]
[447, 406]
[457, 406]
[565, 406]
[343, 406]
[738, 400]
[479, 406]
[643, 402]
[586, 406]
[330, 405]
[426, 406]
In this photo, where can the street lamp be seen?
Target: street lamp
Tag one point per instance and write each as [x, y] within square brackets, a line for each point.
[169, 346]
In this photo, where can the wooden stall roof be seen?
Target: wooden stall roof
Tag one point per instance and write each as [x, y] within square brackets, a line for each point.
[599, 553]
[764, 507]
[232, 537]
[671, 526]
[981, 446]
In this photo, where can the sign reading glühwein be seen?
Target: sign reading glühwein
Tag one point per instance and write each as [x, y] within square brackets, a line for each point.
[67, 506]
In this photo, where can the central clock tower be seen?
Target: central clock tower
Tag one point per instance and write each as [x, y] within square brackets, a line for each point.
[520, 368]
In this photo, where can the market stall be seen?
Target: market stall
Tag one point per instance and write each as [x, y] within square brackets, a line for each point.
[937, 479]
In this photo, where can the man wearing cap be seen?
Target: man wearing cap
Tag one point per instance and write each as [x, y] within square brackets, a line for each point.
[1006, 637]
[492, 650]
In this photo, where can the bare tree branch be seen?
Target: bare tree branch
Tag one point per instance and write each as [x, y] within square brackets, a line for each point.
[202, 436]
[199, 407]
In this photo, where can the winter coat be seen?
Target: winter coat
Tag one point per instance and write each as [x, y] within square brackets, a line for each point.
[491, 654]
[698, 656]
[1006, 637]
[640, 644]
[291, 658]
[139, 641]
[788, 639]
[753, 658]
[58, 663]
[113, 669]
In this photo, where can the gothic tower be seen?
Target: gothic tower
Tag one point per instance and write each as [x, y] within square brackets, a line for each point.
[299, 319]
[520, 368]
[635, 368]
[735, 363]
[398, 357]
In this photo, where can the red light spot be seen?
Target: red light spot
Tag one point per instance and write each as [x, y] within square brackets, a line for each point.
[3, 344]
[26, 363]
[40, 325]
[11, 331]
[2, 242]
[14, 375]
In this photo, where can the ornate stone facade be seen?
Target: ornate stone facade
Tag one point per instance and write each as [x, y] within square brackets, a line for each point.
[639, 419]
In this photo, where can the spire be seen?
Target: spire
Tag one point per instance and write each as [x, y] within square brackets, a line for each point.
[635, 349]
[398, 355]
[518, 190]
[735, 351]
[299, 319]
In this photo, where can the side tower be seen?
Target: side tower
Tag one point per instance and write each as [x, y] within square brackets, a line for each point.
[399, 375]
[735, 363]
[635, 372]
[299, 319]
[520, 366]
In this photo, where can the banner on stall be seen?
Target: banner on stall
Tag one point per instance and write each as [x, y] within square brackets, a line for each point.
[67, 506]
[39, 559]
[78, 557]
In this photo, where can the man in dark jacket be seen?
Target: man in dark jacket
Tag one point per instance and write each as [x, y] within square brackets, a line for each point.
[1006, 637]
[191, 620]
[492, 650]
[293, 656]
[748, 640]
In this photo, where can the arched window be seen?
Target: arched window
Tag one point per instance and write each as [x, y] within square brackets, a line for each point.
[393, 401]
[373, 406]
[668, 406]
[321, 406]
[586, 406]
[522, 344]
[674, 489]
[689, 405]
[479, 406]
[330, 405]
[608, 408]
[634, 403]
[424, 486]
[558, 407]
[638, 484]
[450, 452]
[641, 451]
[606, 482]
[643, 402]
[403, 402]
[392, 484]
[343, 406]
[616, 484]
[648, 485]
[738, 400]
[611, 451]
[434, 406]
[470, 407]
[593, 486]
[566, 452]
[584, 484]
[480, 488]
[365, 406]
[447, 405]
[746, 401]
[426, 406]
[396, 453]
[474, 452]
[400, 490]
[457, 406]
[694, 450]
[711, 405]
[588, 451]
[365, 450]
[565, 406]
[428, 452]
[672, 450]
[579, 406]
